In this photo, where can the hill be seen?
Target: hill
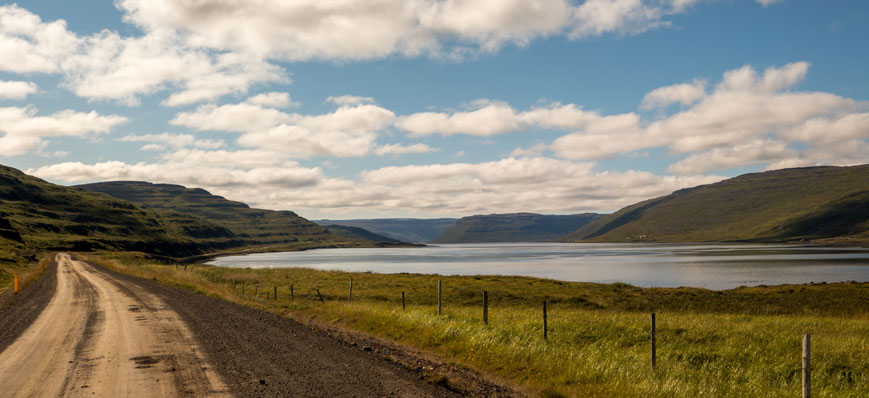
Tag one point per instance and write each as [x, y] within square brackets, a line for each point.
[517, 227]
[38, 216]
[415, 230]
[820, 204]
[360, 234]
[252, 226]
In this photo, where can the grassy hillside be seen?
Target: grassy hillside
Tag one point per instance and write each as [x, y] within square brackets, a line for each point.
[415, 230]
[36, 216]
[253, 226]
[519, 227]
[360, 233]
[823, 204]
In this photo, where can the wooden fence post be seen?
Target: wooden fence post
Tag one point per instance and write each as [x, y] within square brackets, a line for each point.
[321, 297]
[807, 366]
[439, 296]
[545, 332]
[402, 301]
[276, 293]
[653, 341]
[485, 307]
[350, 295]
[292, 295]
[256, 291]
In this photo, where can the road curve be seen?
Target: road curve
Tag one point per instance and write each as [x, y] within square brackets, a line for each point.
[100, 336]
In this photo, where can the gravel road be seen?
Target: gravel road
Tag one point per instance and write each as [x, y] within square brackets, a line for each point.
[114, 335]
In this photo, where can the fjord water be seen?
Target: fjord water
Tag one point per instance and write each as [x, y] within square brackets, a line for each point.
[711, 266]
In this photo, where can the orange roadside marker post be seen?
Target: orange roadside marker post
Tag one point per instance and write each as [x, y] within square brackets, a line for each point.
[15, 278]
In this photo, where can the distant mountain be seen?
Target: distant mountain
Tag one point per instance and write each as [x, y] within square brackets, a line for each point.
[414, 230]
[38, 216]
[819, 204]
[517, 227]
[253, 226]
[360, 233]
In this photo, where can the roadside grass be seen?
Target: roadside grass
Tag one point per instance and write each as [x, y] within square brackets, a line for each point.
[741, 342]
[27, 274]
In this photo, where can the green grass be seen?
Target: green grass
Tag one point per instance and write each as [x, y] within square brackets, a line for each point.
[742, 342]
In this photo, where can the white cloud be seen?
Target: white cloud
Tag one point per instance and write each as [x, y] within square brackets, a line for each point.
[343, 30]
[742, 111]
[232, 118]
[107, 66]
[721, 158]
[685, 94]
[123, 68]
[508, 185]
[398, 149]
[350, 100]
[16, 90]
[209, 177]
[535, 150]
[161, 141]
[350, 131]
[272, 100]
[29, 45]
[23, 131]
[153, 147]
[487, 118]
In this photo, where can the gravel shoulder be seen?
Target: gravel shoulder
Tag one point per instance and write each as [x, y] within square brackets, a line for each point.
[19, 311]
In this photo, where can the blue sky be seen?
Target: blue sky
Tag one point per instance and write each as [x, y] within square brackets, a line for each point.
[424, 108]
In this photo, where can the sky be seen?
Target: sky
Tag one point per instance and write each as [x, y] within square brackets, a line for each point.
[431, 108]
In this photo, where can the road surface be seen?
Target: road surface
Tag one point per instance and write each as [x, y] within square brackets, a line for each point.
[99, 336]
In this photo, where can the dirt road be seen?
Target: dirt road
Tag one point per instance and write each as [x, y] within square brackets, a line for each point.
[82, 330]
[102, 337]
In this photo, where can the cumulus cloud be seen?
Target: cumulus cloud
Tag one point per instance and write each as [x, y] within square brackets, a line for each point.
[24, 131]
[108, 66]
[161, 141]
[241, 117]
[210, 177]
[487, 118]
[508, 185]
[16, 90]
[349, 131]
[272, 100]
[685, 94]
[124, 68]
[310, 29]
[741, 154]
[349, 100]
[27, 44]
[398, 149]
[749, 118]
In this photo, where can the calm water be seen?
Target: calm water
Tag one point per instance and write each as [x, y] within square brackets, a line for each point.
[709, 266]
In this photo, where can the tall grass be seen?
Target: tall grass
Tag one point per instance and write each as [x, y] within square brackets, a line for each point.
[598, 342]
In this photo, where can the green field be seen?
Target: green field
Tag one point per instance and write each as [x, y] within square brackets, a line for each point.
[741, 342]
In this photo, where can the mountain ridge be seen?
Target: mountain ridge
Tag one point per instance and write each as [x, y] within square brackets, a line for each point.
[824, 204]
[514, 227]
